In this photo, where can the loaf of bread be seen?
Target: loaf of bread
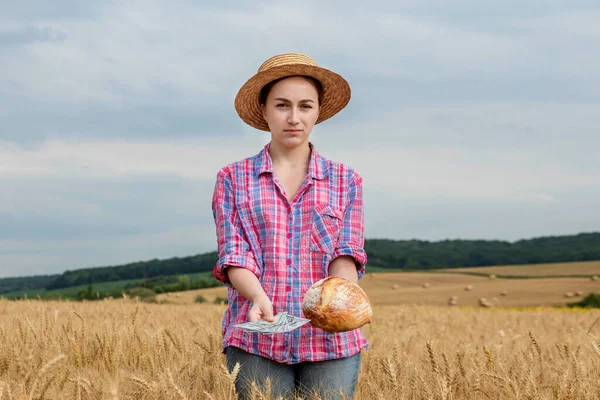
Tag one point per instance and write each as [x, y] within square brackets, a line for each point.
[336, 305]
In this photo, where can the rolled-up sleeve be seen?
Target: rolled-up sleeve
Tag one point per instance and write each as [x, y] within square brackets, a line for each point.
[233, 248]
[351, 238]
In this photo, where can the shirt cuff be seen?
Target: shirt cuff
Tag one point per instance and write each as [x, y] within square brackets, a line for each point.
[356, 252]
[246, 261]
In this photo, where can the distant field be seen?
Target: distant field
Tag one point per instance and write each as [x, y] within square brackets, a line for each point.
[189, 296]
[71, 291]
[546, 286]
[520, 292]
[582, 269]
[381, 289]
[96, 287]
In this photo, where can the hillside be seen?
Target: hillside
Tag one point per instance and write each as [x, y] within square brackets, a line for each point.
[408, 255]
[423, 255]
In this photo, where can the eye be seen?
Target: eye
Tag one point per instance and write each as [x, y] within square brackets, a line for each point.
[281, 105]
[306, 106]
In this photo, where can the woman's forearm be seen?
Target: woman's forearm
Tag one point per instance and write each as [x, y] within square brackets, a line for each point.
[245, 282]
[344, 267]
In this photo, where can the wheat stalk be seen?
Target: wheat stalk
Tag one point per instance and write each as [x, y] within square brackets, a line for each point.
[432, 358]
[43, 371]
[536, 345]
[141, 382]
[21, 330]
[175, 341]
[488, 356]
[30, 325]
[134, 316]
[209, 396]
[175, 386]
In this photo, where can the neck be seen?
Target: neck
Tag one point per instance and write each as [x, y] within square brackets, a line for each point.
[297, 157]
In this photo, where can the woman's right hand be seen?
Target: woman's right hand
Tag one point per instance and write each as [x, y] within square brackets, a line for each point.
[248, 285]
[262, 308]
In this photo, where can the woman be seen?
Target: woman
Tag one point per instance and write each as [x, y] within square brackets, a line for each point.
[285, 218]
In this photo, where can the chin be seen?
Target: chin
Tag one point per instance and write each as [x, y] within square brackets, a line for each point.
[292, 142]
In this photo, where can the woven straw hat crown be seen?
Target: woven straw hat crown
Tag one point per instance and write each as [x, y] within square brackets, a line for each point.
[335, 94]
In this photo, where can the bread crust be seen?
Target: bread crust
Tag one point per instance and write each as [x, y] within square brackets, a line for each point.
[336, 304]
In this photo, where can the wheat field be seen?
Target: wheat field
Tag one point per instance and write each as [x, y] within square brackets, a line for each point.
[124, 349]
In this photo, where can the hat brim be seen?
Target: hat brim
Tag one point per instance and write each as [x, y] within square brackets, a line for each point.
[335, 96]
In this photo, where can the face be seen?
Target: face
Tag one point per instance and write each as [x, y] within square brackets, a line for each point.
[291, 110]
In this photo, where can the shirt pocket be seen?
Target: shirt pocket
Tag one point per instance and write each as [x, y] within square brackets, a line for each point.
[325, 229]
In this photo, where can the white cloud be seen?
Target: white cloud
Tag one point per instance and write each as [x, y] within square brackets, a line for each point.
[468, 119]
[457, 170]
[202, 52]
[29, 257]
[187, 158]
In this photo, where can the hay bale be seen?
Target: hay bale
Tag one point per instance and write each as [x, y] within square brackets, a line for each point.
[483, 302]
[579, 293]
[492, 276]
[395, 286]
[569, 294]
[468, 288]
[425, 285]
[595, 278]
[504, 293]
[453, 300]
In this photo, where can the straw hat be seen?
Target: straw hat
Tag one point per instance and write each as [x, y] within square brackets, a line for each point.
[336, 91]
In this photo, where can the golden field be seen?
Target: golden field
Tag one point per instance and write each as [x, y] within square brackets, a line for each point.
[121, 349]
[421, 348]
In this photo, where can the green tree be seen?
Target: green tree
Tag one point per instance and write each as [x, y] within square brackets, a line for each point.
[184, 282]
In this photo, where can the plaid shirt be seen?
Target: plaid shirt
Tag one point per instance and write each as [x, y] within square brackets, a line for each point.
[288, 246]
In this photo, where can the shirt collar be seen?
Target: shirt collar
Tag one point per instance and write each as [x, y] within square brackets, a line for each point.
[317, 166]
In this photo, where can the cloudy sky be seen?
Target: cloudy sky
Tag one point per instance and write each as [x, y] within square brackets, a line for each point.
[472, 119]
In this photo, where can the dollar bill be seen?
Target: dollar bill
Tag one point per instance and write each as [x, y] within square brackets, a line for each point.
[283, 323]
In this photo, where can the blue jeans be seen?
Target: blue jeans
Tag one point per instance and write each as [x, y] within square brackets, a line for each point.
[326, 378]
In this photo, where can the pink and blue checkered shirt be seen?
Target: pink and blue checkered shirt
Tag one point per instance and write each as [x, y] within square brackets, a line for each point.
[288, 246]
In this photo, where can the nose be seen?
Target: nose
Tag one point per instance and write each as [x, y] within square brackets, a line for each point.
[293, 116]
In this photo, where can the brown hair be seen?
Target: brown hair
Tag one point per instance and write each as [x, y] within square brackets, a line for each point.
[264, 92]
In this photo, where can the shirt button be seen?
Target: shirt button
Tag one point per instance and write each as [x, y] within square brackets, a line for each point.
[287, 288]
[288, 262]
[289, 236]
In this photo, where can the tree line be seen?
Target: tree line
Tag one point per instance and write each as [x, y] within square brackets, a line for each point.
[406, 255]
[423, 255]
